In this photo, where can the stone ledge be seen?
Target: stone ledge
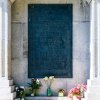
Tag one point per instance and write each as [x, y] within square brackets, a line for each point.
[48, 98]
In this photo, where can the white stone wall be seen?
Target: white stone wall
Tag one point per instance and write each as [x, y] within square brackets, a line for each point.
[81, 41]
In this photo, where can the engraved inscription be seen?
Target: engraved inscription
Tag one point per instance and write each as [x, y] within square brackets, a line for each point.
[50, 40]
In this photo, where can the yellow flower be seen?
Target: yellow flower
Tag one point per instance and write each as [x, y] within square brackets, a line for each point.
[51, 77]
[45, 79]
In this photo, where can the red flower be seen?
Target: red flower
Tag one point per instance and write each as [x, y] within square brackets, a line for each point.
[33, 79]
[84, 86]
[78, 96]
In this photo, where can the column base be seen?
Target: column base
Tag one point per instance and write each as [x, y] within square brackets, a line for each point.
[93, 90]
[7, 90]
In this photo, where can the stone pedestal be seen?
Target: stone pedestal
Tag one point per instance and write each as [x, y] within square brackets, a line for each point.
[7, 90]
[93, 90]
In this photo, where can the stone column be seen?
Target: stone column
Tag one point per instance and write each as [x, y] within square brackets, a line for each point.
[0, 38]
[93, 40]
[6, 85]
[98, 31]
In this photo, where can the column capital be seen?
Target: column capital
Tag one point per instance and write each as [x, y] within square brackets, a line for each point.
[93, 0]
[98, 1]
[89, 1]
[11, 1]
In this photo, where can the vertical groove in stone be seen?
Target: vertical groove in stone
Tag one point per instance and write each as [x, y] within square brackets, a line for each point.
[6, 39]
[3, 39]
[98, 31]
[0, 38]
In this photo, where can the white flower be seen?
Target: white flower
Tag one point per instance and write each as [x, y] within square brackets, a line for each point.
[37, 81]
[16, 88]
[22, 87]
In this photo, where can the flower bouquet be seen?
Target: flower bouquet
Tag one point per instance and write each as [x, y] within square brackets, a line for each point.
[82, 88]
[34, 85]
[77, 91]
[20, 92]
[48, 81]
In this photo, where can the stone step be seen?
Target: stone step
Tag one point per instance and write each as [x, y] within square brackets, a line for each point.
[93, 89]
[92, 96]
[5, 90]
[93, 82]
[6, 83]
[82, 98]
[8, 96]
[17, 99]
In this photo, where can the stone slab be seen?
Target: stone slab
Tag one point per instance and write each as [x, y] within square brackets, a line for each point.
[81, 34]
